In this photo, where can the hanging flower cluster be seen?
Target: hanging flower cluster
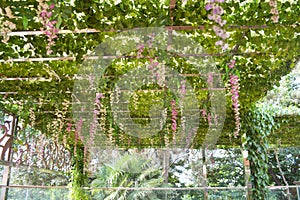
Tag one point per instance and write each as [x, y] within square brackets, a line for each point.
[96, 112]
[48, 28]
[69, 127]
[182, 89]
[234, 85]
[274, 11]
[77, 134]
[153, 62]
[216, 16]
[174, 116]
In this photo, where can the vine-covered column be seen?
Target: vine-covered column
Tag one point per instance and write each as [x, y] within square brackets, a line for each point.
[257, 125]
[79, 177]
[247, 174]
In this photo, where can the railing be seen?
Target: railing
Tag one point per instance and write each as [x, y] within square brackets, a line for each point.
[31, 192]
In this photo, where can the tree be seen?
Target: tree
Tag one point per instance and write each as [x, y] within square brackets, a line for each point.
[128, 171]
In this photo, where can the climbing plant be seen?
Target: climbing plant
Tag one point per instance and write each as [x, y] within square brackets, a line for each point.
[257, 125]
[38, 69]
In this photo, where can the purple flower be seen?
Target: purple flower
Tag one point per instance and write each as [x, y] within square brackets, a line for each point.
[216, 29]
[218, 10]
[219, 43]
[210, 17]
[208, 6]
[225, 46]
[221, 22]
[224, 35]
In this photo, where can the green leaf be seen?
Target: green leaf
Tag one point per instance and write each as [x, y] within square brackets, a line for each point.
[59, 21]
[25, 22]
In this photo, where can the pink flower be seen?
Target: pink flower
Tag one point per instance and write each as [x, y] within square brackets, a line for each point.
[141, 46]
[209, 119]
[182, 88]
[69, 127]
[48, 33]
[99, 95]
[231, 64]
[55, 30]
[274, 11]
[275, 18]
[235, 102]
[204, 113]
[49, 14]
[216, 119]
[210, 79]
[50, 25]
[43, 14]
[52, 6]
[52, 37]
[273, 3]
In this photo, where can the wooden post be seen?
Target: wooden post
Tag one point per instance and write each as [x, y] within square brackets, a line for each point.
[247, 174]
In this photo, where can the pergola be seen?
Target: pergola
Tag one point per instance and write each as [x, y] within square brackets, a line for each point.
[42, 105]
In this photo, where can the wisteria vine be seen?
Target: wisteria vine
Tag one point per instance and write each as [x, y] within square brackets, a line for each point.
[49, 29]
[216, 16]
[234, 91]
[274, 11]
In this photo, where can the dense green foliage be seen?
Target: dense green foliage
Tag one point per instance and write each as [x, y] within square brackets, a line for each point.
[264, 52]
[258, 124]
[128, 171]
